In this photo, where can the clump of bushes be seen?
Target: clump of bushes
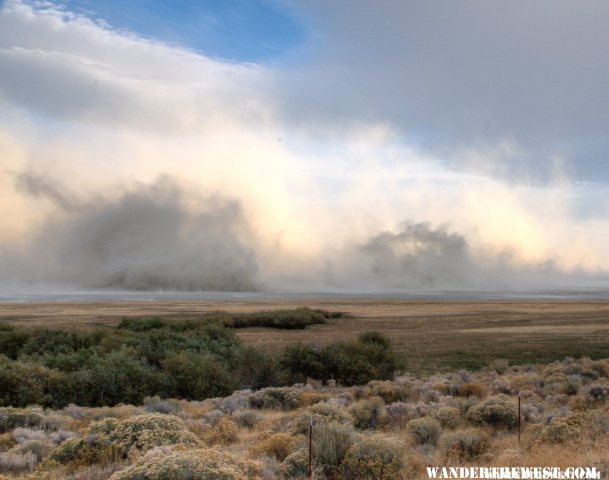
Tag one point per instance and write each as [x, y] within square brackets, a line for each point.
[206, 463]
[11, 418]
[447, 416]
[598, 392]
[390, 392]
[471, 389]
[247, 418]
[331, 443]
[154, 359]
[284, 398]
[349, 363]
[296, 464]
[466, 444]
[277, 445]
[498, 411]
[425, 431]
[298, 318]
[374, 457]
[368, 414]
[561, 429]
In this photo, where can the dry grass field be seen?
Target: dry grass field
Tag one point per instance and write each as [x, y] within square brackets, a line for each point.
[432, 336]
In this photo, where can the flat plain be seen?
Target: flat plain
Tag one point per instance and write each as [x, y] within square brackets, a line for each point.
[431, 336]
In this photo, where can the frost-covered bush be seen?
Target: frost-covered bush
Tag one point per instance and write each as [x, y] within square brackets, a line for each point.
[201, 464]
[498, 411]
[466, 444]
[374, 457]
[425, 431]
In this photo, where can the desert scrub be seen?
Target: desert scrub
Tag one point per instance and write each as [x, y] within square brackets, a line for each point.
[278, 398]
[499, 366]
[199, 464]
[425, 431]
[368, 414]
[562, 430]
[157, 405]
[276, 445]
[598, 393]
[389, 391]
[373, 457]
[11, 418]
[226, 431]
[143, 432]
[331, 443]
[466, 444]
[471, 389]
[447, 416]
[247, 418]
[296, 464]
[498, 411]
[308, 398]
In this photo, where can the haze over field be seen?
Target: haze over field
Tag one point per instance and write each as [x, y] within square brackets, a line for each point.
[340, 145]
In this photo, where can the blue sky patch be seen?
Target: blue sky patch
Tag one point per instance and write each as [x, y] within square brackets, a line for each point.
[236, 30]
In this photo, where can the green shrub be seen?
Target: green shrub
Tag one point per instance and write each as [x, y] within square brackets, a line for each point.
[295, 319]
[374, 457]
[368, 414]
[498, 411]
[349, 363]
[284, 398]
[466, 444]
[425, 431]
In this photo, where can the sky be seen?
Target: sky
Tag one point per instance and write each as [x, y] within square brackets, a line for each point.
[304, 145]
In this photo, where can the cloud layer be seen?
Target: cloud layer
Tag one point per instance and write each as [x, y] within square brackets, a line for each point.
[388, 155]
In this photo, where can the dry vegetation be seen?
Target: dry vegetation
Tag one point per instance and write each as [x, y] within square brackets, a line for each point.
[431, 336]
[381, 430]
[457, 405]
